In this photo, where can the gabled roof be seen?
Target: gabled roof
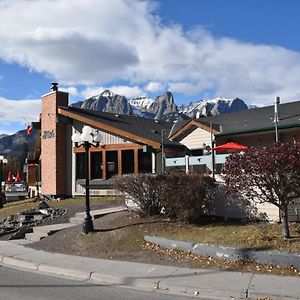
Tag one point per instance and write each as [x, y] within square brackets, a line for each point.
[140, 130]
[184, 126]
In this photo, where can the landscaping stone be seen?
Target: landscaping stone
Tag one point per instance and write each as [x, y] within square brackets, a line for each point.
[233, 254]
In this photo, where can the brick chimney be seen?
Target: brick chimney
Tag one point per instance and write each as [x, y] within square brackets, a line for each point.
[53, 144]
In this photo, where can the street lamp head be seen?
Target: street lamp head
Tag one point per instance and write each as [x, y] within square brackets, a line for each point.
[4, 161]
[1, 157]
[76, 137]
[97, 137]
[87, 129]
[86, 137]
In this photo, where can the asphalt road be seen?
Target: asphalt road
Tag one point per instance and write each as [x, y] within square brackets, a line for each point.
[16, 285]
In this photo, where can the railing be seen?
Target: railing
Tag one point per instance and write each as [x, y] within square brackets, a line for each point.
[188, 161]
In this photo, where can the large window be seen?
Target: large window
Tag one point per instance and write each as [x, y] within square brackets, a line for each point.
[145, 162]
[127, 161]
[80, 165]
[111, 163]
[96, 165]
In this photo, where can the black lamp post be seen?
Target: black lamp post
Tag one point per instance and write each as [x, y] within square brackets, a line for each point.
[3, 161]
[87, 139]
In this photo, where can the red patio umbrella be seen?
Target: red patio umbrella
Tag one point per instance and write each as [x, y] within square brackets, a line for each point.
[18, 177]
[10, 177]
[230, 146]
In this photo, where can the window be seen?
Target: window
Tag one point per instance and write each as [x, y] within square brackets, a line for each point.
[80, 165]
[111, 163]
[145, 162]
[96, 165]
[127, 161]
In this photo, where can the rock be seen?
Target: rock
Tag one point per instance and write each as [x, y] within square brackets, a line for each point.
[20, 234]
[43, 205]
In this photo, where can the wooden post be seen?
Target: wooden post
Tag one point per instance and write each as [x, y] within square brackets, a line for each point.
[103, 164]
[119, 162]
[136, 161]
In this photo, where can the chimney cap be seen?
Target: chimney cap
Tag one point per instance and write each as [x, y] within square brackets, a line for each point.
[54, 86]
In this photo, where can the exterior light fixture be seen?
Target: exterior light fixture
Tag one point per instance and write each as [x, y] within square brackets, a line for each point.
[3, 161]
[86, 139]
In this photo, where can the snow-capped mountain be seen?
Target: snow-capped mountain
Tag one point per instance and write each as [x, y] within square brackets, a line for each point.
[107, 101]
[162, 108]
[213, 106]
[141, 103]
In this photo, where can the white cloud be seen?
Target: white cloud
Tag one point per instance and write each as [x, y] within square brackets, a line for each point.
[127, 91]
[97, 42]
[19, 111]
[72, 90]
[153, 87]
[188, 88]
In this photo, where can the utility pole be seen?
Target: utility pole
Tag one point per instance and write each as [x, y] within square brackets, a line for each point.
[276, 116]
[162, 152]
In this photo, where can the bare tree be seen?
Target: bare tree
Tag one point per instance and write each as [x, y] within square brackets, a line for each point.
[268, 174]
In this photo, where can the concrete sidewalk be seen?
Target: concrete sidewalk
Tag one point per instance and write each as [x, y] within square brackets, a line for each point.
[199, 283]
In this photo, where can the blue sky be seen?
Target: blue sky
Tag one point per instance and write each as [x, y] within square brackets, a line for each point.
[195, 48]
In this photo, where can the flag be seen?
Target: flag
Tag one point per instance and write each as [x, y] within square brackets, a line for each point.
[18, 177]
[29, 129]
[10, 177]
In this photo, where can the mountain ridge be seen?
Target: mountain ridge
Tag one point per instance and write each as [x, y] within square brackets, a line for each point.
[162, 108]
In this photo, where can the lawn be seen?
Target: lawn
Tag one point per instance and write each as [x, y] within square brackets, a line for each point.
[12, 208]
[257, 235]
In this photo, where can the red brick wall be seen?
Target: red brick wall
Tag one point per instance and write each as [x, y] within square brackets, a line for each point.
[53, 145]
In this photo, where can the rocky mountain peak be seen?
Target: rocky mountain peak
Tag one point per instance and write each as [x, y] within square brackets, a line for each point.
[163, 105]
[107, 93]
[107, 101]
[213, 106]
[162, 108]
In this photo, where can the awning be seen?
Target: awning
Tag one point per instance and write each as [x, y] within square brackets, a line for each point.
[230, 146]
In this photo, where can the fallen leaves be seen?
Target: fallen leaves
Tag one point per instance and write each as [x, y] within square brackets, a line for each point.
[193, 260]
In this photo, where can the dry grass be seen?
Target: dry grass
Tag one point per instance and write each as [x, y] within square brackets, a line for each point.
[261, 236]
[75, 201]
[12, 208]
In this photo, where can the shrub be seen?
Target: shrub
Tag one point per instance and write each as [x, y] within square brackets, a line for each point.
[184, 197]
[142, 189]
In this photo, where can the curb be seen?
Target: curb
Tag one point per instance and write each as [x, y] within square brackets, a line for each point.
[201, 292]
[260, 256]
[19, 263]
[103, 279]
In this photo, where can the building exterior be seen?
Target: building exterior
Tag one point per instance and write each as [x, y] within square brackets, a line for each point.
[129, 145]
[135, 145]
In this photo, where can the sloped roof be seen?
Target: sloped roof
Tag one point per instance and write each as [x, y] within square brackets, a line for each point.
[138, 129]
[258, 119]
[246, 121]
[183, 127]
